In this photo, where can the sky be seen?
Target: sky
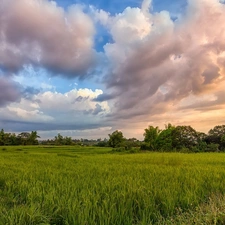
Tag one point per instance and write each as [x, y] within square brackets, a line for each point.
[86, 68]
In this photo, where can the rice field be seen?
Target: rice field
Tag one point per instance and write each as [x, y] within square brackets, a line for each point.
[89, 185]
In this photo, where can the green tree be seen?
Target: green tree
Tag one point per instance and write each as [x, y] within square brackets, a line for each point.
[132, 143]
[165, 140]
[223, 139]
[58, 139]
[185, 137]
[67, 141]
[26, 138]
[13, 139]
[150, 137]
[32, 139]
[215, 136]
[116, 139]
[202, 136]
[2, 137]
[23, 138]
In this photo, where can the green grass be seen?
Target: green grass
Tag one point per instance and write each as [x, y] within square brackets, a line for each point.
[89, 185]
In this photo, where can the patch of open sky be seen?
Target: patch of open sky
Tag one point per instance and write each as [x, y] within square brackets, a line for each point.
[62, 85]
[117, 6]
[102, 38]
[35, 77]
[113, 6]
[40, 79]
[1, 72]
[174, 7]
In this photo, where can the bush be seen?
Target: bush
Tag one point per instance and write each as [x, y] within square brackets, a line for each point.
[125, 150]
[102, 144]
[145, 146]
[119, 149]
[185, 150]
[134, 150]
[212, 148]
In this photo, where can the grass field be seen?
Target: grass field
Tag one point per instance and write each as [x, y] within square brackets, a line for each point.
[89, 185]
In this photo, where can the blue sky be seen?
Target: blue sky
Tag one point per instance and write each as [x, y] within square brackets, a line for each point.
[87, 68]
[117, 6]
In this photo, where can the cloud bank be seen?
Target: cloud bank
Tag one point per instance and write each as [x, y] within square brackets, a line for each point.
[44, 35]
[73, 110]
[156, 62]
[10, 91]
[158, 69]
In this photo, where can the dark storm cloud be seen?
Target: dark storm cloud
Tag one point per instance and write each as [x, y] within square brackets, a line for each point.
[10, 91]
[20, 126]
[98, 109]
[104, 97]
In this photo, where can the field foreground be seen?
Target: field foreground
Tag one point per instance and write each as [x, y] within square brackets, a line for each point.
[84, 185]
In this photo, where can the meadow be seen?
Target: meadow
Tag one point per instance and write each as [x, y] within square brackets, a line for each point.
[88, 185]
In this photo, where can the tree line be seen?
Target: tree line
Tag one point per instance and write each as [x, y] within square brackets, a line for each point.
[24, 138]
[175, 139]
[171, 138]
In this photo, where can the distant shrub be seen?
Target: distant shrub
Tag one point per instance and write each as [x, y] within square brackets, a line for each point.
[185, 150]
[145, 146]
[128, 146]
[125, 150]
[134, 150]
[102, 144]
[212, 148]
[195, 149]
[119, 149]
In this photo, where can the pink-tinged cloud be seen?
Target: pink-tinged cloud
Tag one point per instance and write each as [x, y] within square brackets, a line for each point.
[42, 34]
[156, 62]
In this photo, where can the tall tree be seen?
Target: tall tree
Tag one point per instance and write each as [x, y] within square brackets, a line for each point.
[165, 140]
[150, 137]
[2, 137]
[67, 141]
[32, 140]
[215, 136]
[23, 138]
[185, 137]
[58, 139]
[26, 138]
[116, 139]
